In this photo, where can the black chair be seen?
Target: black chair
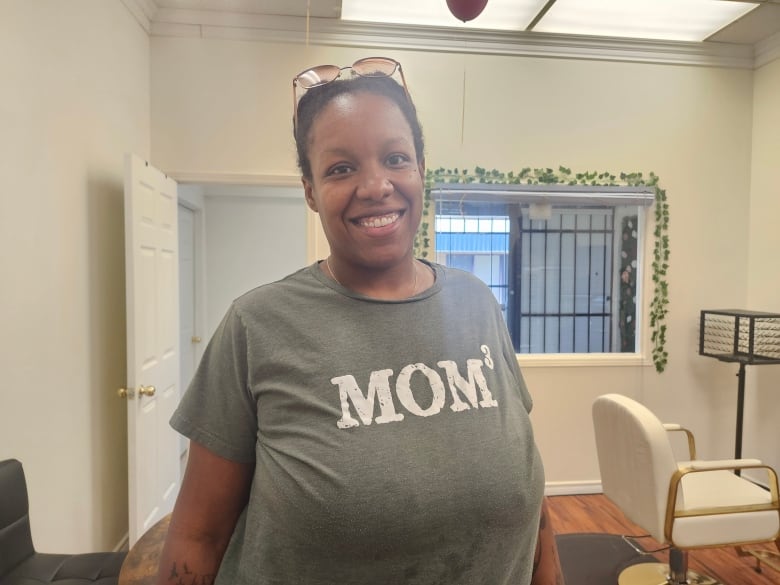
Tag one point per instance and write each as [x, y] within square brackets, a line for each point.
[20, 564]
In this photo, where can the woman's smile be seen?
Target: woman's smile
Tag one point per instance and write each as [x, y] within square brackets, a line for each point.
[378, 221]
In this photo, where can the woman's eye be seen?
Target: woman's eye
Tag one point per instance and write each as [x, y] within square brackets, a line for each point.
[397, 159]
[339, 169]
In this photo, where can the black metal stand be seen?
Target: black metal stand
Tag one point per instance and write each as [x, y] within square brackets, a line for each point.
[740, 412]
[746, 337]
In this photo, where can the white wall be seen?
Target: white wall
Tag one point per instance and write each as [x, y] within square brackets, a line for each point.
[690, 125]
[251, 239]
[762, 393]
[75, 97]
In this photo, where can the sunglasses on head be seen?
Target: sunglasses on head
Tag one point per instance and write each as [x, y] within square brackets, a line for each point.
[325, 74]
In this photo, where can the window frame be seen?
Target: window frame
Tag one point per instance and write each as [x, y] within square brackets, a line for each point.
[541, 196]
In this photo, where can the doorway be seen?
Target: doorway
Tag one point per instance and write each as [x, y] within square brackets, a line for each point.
[232, 238]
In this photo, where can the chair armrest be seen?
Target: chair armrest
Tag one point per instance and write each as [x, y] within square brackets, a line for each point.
[718, 464]
[671, 427]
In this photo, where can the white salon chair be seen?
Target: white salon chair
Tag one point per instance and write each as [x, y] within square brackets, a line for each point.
[682, 504]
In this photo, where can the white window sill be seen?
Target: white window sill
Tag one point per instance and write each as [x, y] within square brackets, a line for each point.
[548, 360]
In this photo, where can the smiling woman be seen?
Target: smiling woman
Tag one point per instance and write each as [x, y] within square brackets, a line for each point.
[367, 190]
[381, 163]
[296, 474]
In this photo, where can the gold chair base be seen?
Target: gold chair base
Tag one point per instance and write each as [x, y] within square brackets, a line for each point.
[658, 574]
[768, 557]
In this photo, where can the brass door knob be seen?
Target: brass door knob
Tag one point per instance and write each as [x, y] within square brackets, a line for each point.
[125, 393]
[196, 339]
[147, 390]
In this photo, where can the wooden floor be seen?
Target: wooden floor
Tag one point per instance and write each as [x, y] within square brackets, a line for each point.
[595, 513]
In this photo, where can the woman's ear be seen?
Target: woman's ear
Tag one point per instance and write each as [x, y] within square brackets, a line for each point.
[308, 193]
[421, 168]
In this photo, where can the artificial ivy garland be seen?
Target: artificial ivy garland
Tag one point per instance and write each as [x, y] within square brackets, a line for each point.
[564, 176]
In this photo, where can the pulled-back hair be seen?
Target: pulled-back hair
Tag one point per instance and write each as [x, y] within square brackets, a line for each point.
[316, 98]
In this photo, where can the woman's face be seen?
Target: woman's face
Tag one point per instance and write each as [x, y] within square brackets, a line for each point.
[366, 182]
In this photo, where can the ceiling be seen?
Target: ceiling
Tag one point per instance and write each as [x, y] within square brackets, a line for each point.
[757, 25]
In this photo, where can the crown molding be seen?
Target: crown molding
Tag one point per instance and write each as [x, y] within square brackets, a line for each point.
[335, 32]
[767, 50]
[144, 12]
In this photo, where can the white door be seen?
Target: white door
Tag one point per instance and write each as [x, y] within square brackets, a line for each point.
[152, 284]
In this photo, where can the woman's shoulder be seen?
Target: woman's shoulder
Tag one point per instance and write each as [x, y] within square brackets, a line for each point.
[296, 283]
[457, 277]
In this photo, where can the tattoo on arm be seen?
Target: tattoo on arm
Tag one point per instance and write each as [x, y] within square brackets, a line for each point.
[186, 577]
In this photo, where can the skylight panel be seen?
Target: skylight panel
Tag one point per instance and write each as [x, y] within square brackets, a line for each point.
[674, 20]
[678, 20]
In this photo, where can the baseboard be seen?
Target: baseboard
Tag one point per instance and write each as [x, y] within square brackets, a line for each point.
[572, 488]
[122, 546]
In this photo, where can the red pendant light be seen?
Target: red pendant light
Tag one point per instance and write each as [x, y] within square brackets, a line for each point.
[466, 10]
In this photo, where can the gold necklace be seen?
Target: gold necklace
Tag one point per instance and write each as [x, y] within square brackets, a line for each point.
[333, 274]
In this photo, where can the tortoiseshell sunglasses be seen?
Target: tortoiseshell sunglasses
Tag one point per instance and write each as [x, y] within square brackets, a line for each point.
[324, 74]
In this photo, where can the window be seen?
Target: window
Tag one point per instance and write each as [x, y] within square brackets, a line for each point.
[563, 263]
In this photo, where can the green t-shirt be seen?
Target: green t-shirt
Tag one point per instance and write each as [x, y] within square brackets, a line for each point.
[391, 439]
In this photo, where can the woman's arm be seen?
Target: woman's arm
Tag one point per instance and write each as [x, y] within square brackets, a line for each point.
[213, 494]
[547, 567]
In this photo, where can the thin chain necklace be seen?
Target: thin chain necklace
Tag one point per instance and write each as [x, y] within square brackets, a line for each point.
[333, 274]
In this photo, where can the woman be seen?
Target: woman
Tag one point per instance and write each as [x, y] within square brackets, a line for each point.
[363, 420]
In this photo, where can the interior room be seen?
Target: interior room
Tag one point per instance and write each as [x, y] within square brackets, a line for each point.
[205, 97]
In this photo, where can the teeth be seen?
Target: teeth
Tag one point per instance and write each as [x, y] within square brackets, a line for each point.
[375, 222]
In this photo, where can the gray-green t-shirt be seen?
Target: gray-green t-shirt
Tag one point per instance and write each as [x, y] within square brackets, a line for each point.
[391, 439]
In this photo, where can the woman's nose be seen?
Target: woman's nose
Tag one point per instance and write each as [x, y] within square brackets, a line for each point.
[374, 184]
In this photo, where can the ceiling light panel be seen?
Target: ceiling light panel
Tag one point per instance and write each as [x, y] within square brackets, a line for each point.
[677, 20]
[497, 15]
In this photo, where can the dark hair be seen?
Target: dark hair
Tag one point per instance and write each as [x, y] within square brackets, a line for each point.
[316, 98]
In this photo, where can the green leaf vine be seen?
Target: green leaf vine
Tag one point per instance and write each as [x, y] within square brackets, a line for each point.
[659, 305]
